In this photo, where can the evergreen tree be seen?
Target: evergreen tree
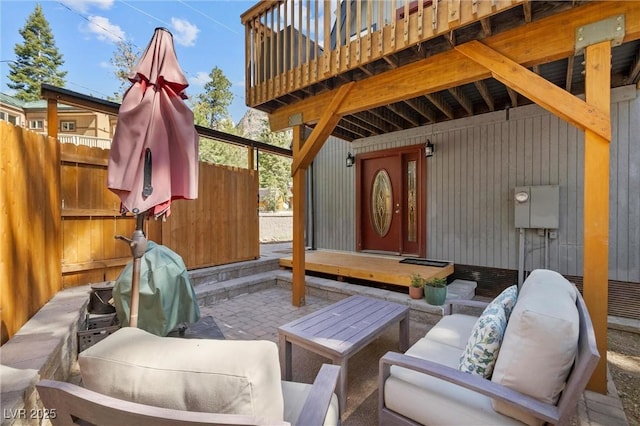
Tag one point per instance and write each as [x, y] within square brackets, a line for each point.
[275, 170]
[124, 60]
[37, 59]
[211, 107]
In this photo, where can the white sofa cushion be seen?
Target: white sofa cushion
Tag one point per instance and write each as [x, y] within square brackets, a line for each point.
[453, 330]
[433, 401]
[428, 400]
[540, 341]
[215, 376]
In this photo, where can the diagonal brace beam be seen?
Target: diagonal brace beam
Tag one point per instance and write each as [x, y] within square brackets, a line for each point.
[321, 132]
[546, 94]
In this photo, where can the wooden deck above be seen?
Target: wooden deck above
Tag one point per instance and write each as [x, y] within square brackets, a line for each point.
[370, 267]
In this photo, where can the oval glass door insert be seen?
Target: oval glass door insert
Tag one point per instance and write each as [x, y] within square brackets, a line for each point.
[381, 203]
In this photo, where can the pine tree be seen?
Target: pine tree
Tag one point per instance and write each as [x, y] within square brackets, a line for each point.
[210, 109]
[212, 105]
[275, 170]
[37, 59]
[124, 60]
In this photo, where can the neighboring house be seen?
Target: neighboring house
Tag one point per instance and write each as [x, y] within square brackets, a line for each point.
[11, 110]
[75, 125]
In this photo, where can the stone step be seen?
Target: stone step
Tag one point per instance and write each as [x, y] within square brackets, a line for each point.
[221, 273]
[461, 289]
[211, 292]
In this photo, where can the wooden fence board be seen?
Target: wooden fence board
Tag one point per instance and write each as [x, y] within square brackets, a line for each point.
[28, 212]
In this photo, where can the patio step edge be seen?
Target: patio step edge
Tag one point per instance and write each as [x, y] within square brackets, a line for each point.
[221, 273]
[420, 309]
[212, 292]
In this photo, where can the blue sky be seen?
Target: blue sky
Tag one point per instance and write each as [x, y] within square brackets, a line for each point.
[206, 34]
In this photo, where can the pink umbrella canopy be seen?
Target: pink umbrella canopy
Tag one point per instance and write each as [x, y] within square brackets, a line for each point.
[154, 152]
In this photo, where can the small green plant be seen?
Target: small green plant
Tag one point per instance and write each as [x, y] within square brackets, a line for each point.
[436, 282]
[417, 281]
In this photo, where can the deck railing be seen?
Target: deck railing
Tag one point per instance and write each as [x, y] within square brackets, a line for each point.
[90, 141]
[292, 44]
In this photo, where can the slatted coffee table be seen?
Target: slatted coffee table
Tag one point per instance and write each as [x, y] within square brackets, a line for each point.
[340, 330]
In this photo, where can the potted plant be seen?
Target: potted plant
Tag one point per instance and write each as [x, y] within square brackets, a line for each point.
[435, 291]
[416, 288]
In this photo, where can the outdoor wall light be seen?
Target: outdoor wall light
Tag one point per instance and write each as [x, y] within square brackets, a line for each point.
[429, 149]
[350, 161]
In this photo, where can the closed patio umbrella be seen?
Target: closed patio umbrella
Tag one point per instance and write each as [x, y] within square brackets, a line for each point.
[154, 152]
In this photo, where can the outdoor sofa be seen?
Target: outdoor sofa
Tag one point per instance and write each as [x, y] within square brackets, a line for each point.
[524, 360]
[135, 377]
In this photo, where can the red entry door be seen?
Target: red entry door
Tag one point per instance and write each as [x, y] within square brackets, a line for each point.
[389, 203]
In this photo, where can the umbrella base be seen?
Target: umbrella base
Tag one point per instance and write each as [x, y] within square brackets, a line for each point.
[205, 328]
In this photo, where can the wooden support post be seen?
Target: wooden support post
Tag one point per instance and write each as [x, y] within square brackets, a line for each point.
[299, 212]
[596, 206]
[52, 118]
[250, 158]
[54, 226]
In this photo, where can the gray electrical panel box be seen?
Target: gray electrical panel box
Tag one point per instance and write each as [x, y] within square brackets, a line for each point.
[537, 206]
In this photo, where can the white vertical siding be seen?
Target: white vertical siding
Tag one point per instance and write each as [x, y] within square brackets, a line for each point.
[470, 180]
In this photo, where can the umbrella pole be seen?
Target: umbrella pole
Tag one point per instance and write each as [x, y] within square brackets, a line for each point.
[138, 245]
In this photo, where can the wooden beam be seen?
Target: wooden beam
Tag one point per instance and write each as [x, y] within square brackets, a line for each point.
[456, 92]
[374, 121]
[634, 72]
[539, 90]
[321, 132]
[526, 9]
[486, 26]
[440, 103]
[554, 37]
[569, 78]
[68, 97]
[486, 95]
[365, 125]
[402, 112]
[596, 206]
[513, 96]
[421, 109]
[380, 113]
[299, 224]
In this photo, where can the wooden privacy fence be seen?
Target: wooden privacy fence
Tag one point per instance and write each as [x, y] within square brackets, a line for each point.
[29, 225]
[59, 224]
[221, 226]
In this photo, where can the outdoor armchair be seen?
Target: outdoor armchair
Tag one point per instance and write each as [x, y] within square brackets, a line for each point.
[132, 373]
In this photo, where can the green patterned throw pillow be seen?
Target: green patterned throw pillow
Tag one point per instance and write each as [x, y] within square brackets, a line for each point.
[507, 299]
[481, 352]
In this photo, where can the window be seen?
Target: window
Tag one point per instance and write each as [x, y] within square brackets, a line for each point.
[36, 124]
[68, 126]
[13, 119]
